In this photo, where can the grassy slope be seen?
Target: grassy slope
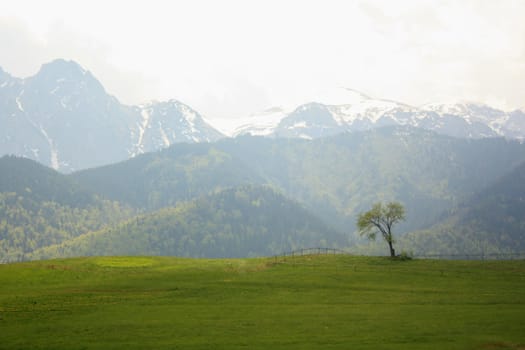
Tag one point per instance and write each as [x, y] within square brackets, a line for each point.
[324, 302]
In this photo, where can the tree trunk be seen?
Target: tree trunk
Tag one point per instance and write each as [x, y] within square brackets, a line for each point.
[392, 251]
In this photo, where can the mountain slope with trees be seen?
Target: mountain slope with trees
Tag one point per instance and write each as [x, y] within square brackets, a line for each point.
[336, 178]
[238, 222]
[161, 179]
[41, 207]
[490, 222]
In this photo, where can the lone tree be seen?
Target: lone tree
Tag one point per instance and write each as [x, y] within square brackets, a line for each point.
[380, 219]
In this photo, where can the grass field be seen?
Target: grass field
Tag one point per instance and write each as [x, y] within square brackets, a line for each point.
[312, 302]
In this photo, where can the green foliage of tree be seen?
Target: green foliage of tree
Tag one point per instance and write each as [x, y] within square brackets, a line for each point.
[381, 219]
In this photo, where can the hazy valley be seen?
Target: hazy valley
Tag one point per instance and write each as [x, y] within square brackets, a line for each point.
[158, 179]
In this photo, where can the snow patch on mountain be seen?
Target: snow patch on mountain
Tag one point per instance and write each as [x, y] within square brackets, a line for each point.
[341, 110]
[19, 104]
[143, 125]
[257, 124]
[71, 116]
[370, 110]
[68, 121]
[189, 114]
[54, 153]
[163, 123]
[165, 138]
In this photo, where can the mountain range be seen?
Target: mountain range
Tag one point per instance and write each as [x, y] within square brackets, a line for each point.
[63, 117]
[260, 196]
[336, 177]
[106, 178]
[491, 218]
[343, 110]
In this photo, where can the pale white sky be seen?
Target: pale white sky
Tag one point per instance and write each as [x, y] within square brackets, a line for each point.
[230, 58]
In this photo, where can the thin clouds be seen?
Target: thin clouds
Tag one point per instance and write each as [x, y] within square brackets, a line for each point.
[26, 53]
[20, 48]
[231, 58]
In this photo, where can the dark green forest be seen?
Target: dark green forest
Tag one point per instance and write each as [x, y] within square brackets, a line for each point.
[245, 221]
[460, 196]
[40, 207]
[490, 222]
[336, 177]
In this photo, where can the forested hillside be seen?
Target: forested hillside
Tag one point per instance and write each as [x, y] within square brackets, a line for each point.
[29, 178]
[491, 221]
[40, 207]
[336, 177]
[454, 189]
[165, 178]
[245, 221]
[343, 175]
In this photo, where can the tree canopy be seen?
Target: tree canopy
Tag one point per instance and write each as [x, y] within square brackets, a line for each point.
[380, 219]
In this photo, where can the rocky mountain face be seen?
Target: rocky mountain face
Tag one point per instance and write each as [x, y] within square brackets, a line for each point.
[354, 111]
[62, 117]
[165, 123]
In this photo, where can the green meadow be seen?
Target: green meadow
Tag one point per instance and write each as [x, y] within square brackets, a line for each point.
[310, 302]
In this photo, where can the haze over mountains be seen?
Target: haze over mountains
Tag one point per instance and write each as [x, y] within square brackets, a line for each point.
[260, 196]
[345, 109]
[62, 117]
[159, 179]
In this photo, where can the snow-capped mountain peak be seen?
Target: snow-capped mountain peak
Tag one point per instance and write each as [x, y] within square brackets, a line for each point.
[167, 122]
[345, 109]
[3, 75]
[256, 124]
[63, 69]
[63, 117]
[7, 81]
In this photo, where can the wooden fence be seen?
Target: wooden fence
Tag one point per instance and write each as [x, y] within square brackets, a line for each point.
[335, 251]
